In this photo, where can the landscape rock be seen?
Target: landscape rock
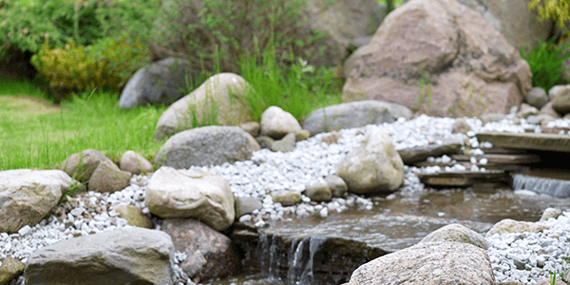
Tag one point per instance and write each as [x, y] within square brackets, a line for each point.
[428, 263]
[10, 269]
[264, 141]
[537, 97]
[286, 144]
[526, 141]
[332, 138]
[420, 153]
[246, 205]
[120, 256]
[221, 94]
[27, 196]
[210, 254]
[526, 111]
[285, 197]
[251, 127]
[134, 216]
[205, 146]
[134, 163]
[157, 83]
[512, 226]
[457, 233]
[373, 166]
[83, 168]
[513, 20]
[548, 110]
[538, 119]
[555, 90]
[318, 192]
[336, 185]
[550, 213]
[354, 115]
[492, 117]
[195, 194]
[461, 126]
[561, 101]
[107, 177]
[302, 135]
[458, 52]
[276, 123]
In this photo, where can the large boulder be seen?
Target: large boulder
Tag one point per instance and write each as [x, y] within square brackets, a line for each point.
[374, 166]
[163, 81]
[195, 194]
[206, 146]
[121, 256]
[430, 263]
[218, 100]
[26, 196]
[465, 64]
[354, 115]
[338, 21]
[457, 233]
[210, 254]
[513, 20]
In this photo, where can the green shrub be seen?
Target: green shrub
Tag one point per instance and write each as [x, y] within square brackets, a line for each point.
[546, 63]
[107, 63]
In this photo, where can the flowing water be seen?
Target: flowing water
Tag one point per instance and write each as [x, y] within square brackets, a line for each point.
[548, 182]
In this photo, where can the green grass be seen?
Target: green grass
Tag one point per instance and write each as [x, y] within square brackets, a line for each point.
[93, 120]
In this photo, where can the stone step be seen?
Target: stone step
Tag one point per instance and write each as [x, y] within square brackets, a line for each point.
[531, 141]
[463, 178]
[489, 166]
[501, 150]
[501, 158]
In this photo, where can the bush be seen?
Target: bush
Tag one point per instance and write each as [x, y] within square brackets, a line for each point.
[546, 63]
[232, 28]
[107, 63]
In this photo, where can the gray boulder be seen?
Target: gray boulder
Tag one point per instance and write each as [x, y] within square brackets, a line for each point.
[210, 254]
[373, 166]
[354, 115]
[457, 233]
[163, 81]
[430, 263]
[121, 256]
[26, 196]
[212, 145]
[195, 194]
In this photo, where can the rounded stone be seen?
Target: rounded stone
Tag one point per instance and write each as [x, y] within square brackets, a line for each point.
[286, 198]
[318, 193]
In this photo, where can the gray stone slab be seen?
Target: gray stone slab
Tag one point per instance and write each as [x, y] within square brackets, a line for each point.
[545, 142]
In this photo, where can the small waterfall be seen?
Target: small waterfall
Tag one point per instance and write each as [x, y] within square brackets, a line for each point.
[299, 259]
[552, 187]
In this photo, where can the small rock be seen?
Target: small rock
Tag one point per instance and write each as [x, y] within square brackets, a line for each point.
[548, 110]
[134, 216]
[537, 97]
[251, 127]
[493, 117]
[324, 212]
[550, 213]
[277, 123]
[457, 233]
[461, 126]
[265, 141]
[10, 269]
[512, 226]
[302, 135]
[336, 185]
[319, 193]
[286, 144]
[134, 163]
[547, 282]
[526, 111]
[286, 198]
[246, 205]
[332, 138]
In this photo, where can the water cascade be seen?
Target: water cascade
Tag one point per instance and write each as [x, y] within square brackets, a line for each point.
[547, 186]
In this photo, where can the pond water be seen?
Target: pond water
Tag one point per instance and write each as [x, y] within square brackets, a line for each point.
[399, 221]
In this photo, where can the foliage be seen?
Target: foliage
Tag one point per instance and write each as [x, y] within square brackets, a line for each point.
[107, 63]
[230, 26]
[559, 10]
[546, 63]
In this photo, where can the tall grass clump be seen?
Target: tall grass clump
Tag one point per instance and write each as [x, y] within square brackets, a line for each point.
[546, 63]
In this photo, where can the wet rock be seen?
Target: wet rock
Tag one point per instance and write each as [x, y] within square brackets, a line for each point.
[286, 198]
[332, 138]
[251, 127]
[81, 166]
[265, 141]
[461, 126]
[211, 145]
[457, 233]
[276, 123]
[10, 269]
[286, 144]
[121, 256]
[429, 264]
[537, 97]
[27, 196]
[134, 163]
[107, 177]
[420, 153]
[302, 135]
[512, 226]
[318, 193]
[550, 213]
[336, 185]
[195, 194]
[547, 142]
[246, 205]
[373, 166]
[134, 216]
[210, 254]
[354, 115]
